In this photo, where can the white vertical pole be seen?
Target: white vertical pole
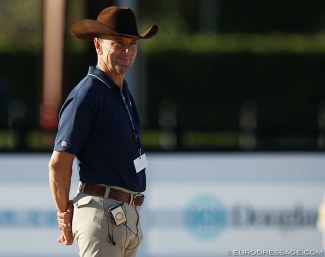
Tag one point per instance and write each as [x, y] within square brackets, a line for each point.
[54, 20]
[134, 77]
[131, 76]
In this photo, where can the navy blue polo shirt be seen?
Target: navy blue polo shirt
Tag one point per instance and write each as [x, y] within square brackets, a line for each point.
[95, 126]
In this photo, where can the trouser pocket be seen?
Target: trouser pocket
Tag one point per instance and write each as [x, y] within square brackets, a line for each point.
[87, 216]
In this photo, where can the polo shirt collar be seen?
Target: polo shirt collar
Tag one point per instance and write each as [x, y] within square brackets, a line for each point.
[102, 76]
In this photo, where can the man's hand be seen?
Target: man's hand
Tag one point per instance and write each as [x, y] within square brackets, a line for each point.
[65, 225]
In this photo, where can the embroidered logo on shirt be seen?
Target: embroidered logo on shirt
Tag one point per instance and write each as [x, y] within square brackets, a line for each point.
[64, 144]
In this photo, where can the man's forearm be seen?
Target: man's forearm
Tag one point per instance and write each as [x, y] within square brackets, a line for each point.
[60, 171]
[60, 181]
[60, 188]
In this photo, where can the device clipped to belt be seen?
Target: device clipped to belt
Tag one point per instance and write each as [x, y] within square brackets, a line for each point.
[119, 217]
[118, 214]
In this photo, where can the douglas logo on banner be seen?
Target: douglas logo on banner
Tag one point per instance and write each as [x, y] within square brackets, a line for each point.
[205, 217]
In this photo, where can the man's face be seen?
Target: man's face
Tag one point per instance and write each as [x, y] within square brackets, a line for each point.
[118, 53]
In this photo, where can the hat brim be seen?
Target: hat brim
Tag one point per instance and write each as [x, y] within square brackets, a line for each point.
[87, 29]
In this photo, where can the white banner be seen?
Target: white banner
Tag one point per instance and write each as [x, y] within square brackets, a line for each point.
[28, 226]
[196, 205]
[234, 204]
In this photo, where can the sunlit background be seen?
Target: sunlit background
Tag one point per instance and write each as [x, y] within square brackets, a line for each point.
[231, 98]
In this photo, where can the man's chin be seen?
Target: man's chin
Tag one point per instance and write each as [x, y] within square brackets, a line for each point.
[122, 69]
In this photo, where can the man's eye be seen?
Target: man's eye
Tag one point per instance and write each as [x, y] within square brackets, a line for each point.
[118, 43]
[122, 43]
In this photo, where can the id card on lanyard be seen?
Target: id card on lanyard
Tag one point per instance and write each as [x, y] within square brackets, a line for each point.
[140, 163]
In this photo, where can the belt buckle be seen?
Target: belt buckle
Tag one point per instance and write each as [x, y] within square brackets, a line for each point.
[135, 197]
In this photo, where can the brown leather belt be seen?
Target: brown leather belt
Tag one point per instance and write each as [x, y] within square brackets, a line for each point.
[115, 194]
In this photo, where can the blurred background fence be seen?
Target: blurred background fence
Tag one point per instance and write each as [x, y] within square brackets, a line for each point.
[220, 75]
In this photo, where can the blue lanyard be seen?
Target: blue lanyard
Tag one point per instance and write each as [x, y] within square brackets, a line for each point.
[134, 130]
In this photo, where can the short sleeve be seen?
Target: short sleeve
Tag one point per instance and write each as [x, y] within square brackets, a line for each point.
[75, 123]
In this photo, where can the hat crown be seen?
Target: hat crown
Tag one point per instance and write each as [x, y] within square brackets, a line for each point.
[120, 19]
[112, 20]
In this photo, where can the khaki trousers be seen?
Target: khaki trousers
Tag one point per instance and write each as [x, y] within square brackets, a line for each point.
[96, 233]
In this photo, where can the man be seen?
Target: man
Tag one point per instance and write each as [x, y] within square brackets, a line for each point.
[99, 125]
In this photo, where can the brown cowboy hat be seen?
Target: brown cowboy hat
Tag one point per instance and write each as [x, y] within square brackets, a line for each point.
[113, 20]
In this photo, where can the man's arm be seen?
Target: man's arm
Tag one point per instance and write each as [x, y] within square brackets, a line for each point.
[60, 172]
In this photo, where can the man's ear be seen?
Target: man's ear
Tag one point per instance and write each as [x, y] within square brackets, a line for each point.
[98, 45]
